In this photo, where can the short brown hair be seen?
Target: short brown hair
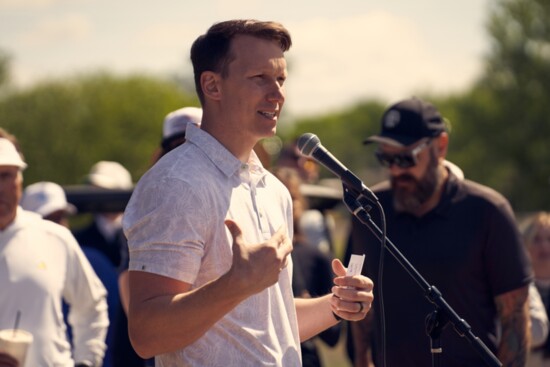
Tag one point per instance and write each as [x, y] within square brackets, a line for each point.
[210, 51]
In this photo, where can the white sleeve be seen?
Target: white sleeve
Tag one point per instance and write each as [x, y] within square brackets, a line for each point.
[539, 318]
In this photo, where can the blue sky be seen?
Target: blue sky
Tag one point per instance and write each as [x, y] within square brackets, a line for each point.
[343, 51]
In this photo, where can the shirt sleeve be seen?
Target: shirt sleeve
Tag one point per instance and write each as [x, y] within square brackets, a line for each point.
[166, 224]
[506, 253]
[539, 318]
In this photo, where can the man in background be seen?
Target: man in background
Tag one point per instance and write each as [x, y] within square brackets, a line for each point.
[461, 236]
[43, 265]
[173, 129]
[49, 200]
[104, 235]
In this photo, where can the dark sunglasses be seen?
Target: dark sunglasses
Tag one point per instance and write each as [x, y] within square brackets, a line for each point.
[406, 159]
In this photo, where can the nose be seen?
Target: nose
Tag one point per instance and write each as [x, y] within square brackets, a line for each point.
[395, 170]
[277, 93]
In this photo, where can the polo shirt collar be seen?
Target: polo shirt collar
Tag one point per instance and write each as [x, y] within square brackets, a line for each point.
[451, 191]
[222, 158]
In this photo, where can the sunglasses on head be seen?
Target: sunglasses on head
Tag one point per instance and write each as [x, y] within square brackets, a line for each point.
[405, 159]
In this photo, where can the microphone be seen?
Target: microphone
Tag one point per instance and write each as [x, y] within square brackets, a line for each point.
[309, 145]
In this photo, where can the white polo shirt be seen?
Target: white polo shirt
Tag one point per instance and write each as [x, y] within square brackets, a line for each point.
[175, 227]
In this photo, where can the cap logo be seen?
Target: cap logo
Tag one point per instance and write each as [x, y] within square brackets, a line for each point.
[41, 196]
[392, 119]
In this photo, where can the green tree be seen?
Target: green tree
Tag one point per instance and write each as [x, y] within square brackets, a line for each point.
[502, 128]
[65, 126]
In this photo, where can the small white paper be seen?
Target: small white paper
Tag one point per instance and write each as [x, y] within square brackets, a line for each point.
[355, 265]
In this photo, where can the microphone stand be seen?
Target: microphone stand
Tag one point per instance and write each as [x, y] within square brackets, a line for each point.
[443, 314]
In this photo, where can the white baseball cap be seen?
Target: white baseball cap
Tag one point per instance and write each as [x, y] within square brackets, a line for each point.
[110, 175]
[46, 198]
[176, 121]
[9, 155]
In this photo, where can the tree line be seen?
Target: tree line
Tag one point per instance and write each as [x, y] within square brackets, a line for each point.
[500, 133]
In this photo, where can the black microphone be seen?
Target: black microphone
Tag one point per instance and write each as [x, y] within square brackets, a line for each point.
[310, 146]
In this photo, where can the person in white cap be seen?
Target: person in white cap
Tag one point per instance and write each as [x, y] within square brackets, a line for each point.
[49, 200]
[43, 265]
[104, 235]
[173, 129]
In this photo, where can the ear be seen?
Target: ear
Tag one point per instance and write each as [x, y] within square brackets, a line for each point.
[442, 144]
[210, 85]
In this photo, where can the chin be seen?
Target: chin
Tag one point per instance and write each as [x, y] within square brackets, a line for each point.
[269, 132]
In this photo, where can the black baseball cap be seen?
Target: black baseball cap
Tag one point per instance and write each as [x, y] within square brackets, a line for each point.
[408, 121]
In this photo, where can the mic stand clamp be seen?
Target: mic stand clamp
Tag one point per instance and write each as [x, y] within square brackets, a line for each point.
[435, 323]
[360, 205]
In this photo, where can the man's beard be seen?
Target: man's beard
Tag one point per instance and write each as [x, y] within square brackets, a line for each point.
[409, 198]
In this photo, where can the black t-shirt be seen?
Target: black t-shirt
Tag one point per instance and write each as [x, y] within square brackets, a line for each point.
[469, 247]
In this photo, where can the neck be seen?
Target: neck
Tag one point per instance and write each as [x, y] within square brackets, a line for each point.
[6, 221]
[232, 140]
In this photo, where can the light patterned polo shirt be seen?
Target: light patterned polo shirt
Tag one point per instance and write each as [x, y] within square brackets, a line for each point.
[175, 227]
